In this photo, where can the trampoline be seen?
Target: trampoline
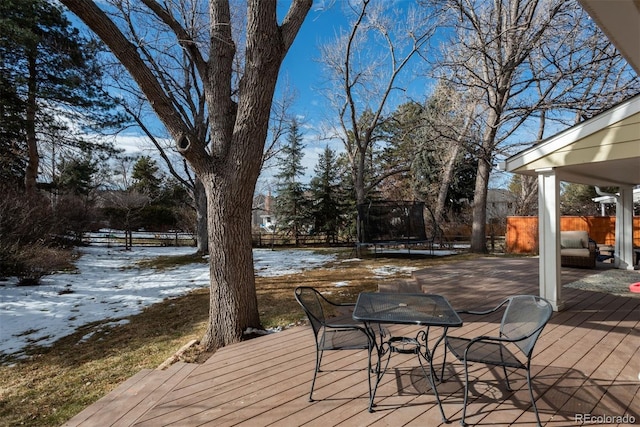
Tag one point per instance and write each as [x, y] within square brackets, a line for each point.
[392, 223]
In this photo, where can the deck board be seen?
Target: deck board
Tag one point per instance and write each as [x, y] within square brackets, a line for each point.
[587, 361]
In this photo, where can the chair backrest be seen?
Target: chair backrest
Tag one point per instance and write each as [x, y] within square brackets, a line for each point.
[311, 302]
[525, 316]
[574, 239]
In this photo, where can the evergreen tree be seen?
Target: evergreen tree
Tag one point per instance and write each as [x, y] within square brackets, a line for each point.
[145, 179]
[404, 134]
[348, 198]
[577, 199]
[12, 148]
[291, 206]
[51, 76]
[77, 175]
[327, 209]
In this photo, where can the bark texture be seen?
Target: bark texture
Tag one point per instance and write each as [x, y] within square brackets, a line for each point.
[238, 120]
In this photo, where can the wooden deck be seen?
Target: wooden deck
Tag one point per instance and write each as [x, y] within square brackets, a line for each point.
[587, 361]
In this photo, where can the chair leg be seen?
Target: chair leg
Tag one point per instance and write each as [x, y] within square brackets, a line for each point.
[533, 400]
[504, 368]
[466, 391]
[369, 372]
[444, 361]
[315, 372]
[506, 377]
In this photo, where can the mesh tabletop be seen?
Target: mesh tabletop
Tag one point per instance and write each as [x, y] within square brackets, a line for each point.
[415, 309]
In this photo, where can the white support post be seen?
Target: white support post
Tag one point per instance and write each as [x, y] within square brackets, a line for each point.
[549, 241]
[624, 229]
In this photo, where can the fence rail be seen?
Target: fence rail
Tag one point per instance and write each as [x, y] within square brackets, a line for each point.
[115, 238]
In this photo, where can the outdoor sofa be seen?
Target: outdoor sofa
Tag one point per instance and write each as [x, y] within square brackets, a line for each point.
[577, 250]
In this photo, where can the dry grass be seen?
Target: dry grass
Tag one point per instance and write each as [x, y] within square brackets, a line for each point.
[57, 382]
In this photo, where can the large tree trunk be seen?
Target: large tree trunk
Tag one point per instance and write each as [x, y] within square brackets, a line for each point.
[479, 224]
[238, 137]
[233, 301]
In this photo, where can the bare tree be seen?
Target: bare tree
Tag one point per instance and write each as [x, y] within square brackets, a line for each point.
[126, 205]
[365, 66]
[184, 84]
[494, 43]
[577, 73]
[238, 85]
[179, 169]
[449, 130]
[525, 57]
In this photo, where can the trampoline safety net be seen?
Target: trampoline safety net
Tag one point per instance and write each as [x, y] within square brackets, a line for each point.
[391, 221]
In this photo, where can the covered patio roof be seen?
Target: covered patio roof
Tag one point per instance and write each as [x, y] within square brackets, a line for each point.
[602, 151]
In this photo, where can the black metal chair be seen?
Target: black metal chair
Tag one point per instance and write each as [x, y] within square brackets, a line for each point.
[341, 333]
[522, 322]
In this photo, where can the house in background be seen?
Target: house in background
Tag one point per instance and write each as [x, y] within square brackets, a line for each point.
[262, 216]
[501, 203]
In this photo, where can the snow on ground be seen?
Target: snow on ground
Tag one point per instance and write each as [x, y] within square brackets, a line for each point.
[390, 270]
[109, 285]
[268, 263]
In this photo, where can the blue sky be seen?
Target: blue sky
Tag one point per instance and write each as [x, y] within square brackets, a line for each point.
[301, 66]
[303, 72]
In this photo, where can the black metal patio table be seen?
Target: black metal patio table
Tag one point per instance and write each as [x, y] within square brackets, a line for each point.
[377, 308]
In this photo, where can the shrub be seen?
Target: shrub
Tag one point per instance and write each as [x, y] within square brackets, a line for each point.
[27, 227]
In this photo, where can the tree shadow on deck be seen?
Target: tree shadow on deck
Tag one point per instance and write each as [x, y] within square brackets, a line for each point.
[572, 394]
[563, 395]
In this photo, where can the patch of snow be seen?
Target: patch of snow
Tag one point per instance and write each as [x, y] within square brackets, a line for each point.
[269, 263]
[432, 252]
[389, 270]
[108, 284]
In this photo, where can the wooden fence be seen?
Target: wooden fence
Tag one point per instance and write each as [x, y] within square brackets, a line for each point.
[522, 231]
[115, 238]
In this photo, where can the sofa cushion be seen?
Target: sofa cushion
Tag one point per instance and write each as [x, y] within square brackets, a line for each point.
[581, 235]
[575, 252]
[571, 244]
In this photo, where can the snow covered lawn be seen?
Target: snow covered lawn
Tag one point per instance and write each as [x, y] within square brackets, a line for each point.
[109, 285]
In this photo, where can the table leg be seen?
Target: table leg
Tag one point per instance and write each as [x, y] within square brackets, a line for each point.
[428, 356]
[381, 349]
[385, 348]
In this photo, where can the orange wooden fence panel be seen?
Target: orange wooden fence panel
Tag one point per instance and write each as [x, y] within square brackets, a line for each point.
[522, 231]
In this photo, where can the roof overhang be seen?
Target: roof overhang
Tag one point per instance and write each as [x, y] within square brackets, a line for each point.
[602, 151]
[620, 21]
